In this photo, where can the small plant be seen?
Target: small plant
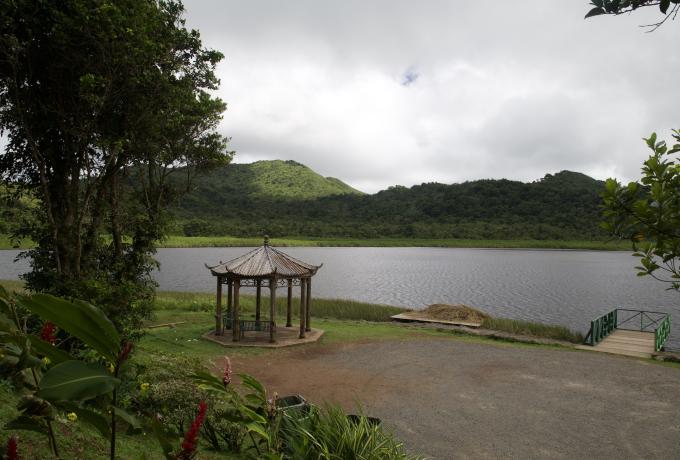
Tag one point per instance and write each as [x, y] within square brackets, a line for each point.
[331, 434]
[53, 381]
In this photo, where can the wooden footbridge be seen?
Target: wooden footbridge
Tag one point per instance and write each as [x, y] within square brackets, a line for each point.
[635, 333]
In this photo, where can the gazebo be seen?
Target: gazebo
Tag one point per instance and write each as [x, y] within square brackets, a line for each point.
[264, 267]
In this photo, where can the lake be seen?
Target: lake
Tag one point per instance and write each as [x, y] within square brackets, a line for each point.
[559, 287]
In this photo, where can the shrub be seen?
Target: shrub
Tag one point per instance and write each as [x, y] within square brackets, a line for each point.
[331, 434]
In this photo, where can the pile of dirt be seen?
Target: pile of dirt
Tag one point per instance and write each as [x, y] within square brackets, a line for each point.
[461, 312]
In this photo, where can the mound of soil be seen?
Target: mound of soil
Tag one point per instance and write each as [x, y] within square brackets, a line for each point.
[461, 312]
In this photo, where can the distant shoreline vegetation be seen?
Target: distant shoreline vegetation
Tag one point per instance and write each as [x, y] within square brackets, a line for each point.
[230, 241]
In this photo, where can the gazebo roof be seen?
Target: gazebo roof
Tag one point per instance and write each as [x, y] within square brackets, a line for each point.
[263, 262]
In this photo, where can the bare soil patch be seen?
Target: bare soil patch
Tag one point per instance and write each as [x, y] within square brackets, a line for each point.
[460, 312]
[450, 398]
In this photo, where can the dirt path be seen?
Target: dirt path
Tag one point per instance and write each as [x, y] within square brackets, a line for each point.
[449, 398]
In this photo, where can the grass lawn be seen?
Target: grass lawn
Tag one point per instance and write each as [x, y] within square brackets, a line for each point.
[175, 241]
[228, 241]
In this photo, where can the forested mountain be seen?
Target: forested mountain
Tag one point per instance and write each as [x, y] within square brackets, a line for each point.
[288, 199]
[285, 198]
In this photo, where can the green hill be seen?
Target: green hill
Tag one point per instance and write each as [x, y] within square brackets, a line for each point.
[267, 179]
[288, 199]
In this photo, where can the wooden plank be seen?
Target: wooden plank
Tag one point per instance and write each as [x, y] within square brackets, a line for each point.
[628, 343]
[414, 316]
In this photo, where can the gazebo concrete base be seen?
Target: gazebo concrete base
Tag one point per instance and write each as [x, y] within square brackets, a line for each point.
[285, 337]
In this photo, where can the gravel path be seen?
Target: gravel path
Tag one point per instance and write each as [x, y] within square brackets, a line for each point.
[449, 398]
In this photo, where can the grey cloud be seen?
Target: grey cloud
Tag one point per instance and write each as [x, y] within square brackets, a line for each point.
[503, 89]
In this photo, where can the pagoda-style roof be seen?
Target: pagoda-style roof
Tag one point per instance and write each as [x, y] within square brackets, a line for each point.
[264, 262]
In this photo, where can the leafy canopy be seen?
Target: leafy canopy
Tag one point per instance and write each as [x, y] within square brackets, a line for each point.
[102, 102]
[648, 212]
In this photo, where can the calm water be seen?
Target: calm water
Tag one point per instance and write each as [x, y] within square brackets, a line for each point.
[560, 287]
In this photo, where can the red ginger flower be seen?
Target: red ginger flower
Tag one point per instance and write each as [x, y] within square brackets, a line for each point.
[191, 437]
[47, 333]
[11, 453]
[125, 352]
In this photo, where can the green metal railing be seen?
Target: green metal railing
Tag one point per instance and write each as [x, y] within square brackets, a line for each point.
[631, 320]
[601, 327]
[662, 332]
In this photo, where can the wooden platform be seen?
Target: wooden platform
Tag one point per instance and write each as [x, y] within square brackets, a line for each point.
[628, 343]
[417, 316]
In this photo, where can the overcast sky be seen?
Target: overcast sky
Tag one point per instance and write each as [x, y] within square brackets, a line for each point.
[378, 93]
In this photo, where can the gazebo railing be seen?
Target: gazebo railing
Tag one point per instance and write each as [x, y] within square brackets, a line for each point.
[246, 325]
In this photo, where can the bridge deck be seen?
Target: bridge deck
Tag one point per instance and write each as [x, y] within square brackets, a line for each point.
[629, 343]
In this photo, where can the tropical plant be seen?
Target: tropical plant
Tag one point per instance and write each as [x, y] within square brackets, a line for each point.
[648, 212]
[330, 434]
[52, 381]
[255, 410]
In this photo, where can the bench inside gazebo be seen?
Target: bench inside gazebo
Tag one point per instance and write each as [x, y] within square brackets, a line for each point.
[262, 268]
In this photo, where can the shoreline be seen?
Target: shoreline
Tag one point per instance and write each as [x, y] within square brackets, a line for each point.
[227, 241]
[174, 241]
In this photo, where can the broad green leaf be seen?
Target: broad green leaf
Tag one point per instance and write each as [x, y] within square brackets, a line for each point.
[27, 423]
[594, 12]
[663, 5]
[208, 381]
[164, 438]
[651, 141]
[252, 415]
[96, 419]
[256, 428]
[76, 381]
[54, 354]
[80, 319]
[253, 384]
[126, 417]
[3, 293]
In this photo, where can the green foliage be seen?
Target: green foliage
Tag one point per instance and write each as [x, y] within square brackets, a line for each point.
[78, 318]
[647, 213]
[532, 329]
[322, 308]
[668, 8]
[69, 383]
[102, 102]
[558, 207]
[76, 381]
[230, 241]
[330, 434]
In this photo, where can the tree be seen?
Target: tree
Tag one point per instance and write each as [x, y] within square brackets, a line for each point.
[102, 102]
[668, 8]
[648, 212]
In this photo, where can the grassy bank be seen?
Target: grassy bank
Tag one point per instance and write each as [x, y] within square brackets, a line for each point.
[532, 329]
[322, 308]
[174, 305]
[229, 241]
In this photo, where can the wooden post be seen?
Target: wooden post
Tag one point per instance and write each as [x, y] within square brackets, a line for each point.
[230, 302]
[303, 304]
[289, 307]
[236, 325]
[218, 308]
[272, 306]
[308, 307]
[258, 300]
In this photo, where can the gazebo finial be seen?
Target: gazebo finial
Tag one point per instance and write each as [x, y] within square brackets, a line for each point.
[266, 240]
